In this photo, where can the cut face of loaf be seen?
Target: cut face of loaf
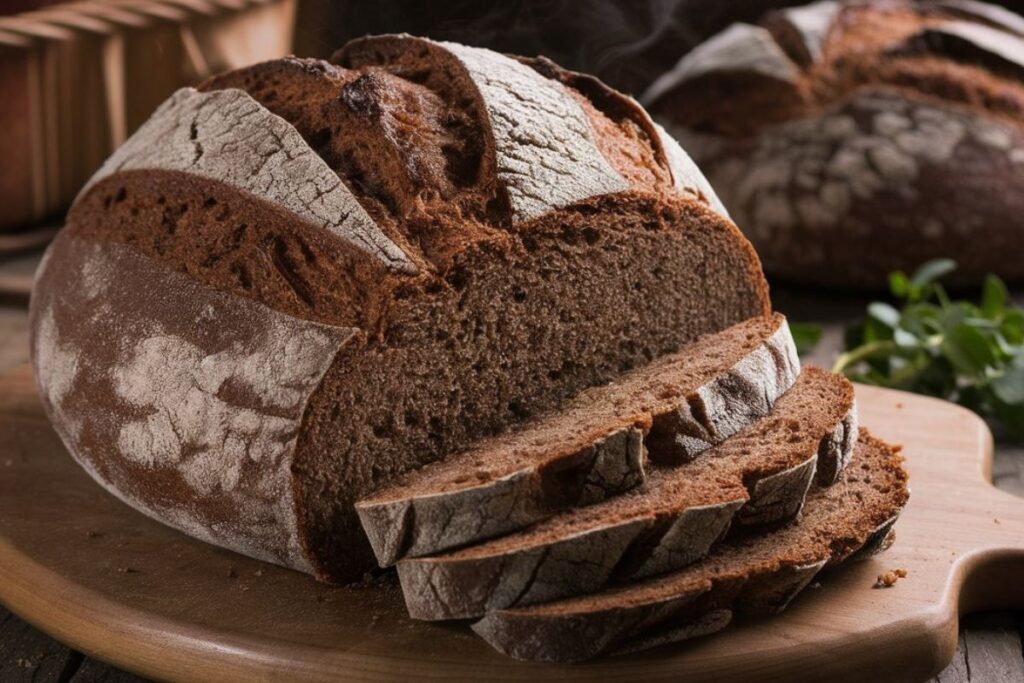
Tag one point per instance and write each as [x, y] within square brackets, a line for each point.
[753, 572]
[848, 160]
[491, 239]
[758, 476]
[683, 403]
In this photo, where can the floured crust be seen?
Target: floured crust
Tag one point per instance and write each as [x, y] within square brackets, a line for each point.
[668, 522]
[546, 154]
[882, 152]
[740, 47]
[228, 137]
[755, 574]
[483, 277]
[851, 173]
[189, 413]
[805, 29]
[688, 179]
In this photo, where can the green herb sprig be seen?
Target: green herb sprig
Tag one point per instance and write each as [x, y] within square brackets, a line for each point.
[969, 353]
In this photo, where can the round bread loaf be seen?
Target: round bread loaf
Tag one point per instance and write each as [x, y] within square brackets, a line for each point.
[852, 139]
[305, 278]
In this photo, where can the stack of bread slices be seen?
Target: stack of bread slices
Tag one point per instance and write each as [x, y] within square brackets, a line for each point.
[475, 315]
[719, 479]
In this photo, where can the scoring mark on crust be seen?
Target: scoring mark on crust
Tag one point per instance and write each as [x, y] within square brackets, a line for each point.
[227, 136]
[545, 149]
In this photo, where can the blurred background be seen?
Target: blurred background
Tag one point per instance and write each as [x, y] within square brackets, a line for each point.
[78, 77]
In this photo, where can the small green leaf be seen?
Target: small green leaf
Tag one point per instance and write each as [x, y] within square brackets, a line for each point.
[1009, 387]
[928, 273]
[1012, 327]
[905, 339]
[955, 349]
[885, 314]
[806, 336]
[967, 349]
[899, 284]
[994, 297]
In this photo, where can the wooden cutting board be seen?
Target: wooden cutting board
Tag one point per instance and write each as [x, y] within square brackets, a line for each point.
[93, 573]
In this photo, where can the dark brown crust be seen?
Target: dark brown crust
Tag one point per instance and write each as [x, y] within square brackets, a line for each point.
[658, 528]
[882, 182]
[494, 315]
[525, 383]
[793, 175]
[766, 581]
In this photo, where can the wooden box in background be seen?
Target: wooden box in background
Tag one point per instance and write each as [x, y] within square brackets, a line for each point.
[76, 78]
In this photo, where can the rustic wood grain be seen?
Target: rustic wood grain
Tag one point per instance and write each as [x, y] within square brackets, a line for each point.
[16, 278]
[989, 651]
[957, 671]
[200, 612]
[993, 642]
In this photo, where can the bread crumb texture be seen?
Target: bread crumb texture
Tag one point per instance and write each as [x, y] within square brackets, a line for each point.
[304, 278]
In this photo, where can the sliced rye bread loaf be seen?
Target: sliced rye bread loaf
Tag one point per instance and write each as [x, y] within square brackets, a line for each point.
[480, 242]
[838, 135]
[747, 573]
[758, 476]
[590, 449]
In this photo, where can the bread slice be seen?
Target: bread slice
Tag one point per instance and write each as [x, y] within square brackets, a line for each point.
[760, 475]
[496, 236]
[753, 573]
[590, 450]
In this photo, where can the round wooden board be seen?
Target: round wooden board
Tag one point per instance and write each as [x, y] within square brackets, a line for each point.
[90, 571]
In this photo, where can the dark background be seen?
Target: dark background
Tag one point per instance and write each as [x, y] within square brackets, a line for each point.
[626, 43]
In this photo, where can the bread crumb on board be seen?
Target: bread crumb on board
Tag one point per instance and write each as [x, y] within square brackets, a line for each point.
[888, 579]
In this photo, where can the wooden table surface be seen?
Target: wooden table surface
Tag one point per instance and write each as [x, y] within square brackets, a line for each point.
[990, 643]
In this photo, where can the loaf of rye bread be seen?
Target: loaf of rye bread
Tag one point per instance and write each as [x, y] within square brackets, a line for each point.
[747, 573]
[759, 476]
[304, 279]
[590, 449]
[850, 139]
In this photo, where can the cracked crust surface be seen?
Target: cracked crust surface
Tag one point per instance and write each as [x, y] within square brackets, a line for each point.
[850, 173]
[560, 475]
[204, 394]
[246, 186]
[748, 573]
[898, 141]
[228, 137]
[546, 156]
[757, 477]
[571, 458]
